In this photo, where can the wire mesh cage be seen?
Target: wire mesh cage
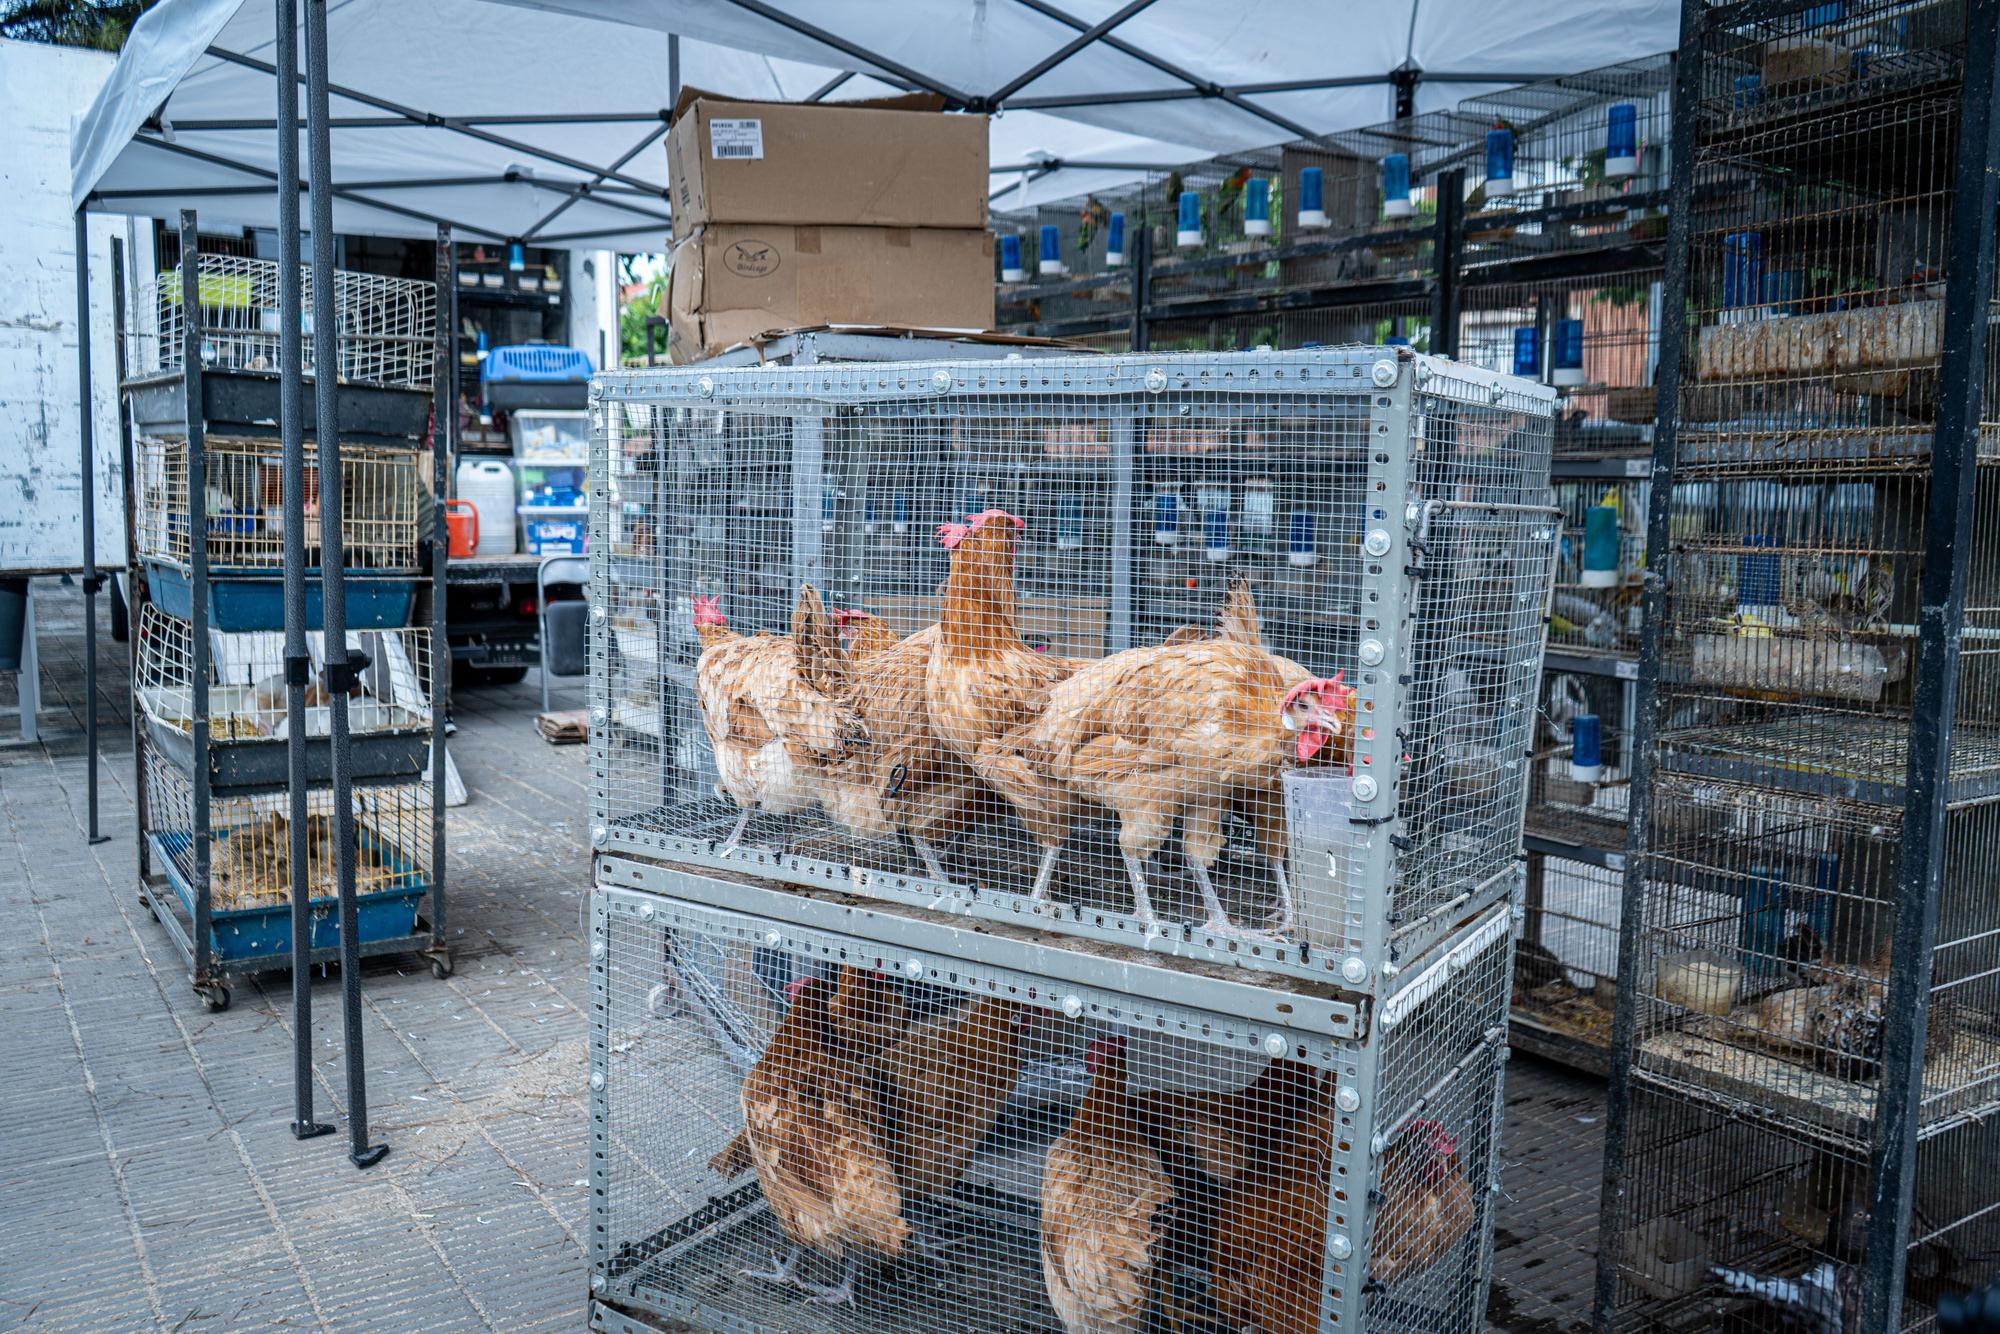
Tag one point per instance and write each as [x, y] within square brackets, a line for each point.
[386, 327]
[1033, 620]
[388, 709]
[1566, 959]
[1601, 566]
[1824, 147]
[383, 492]
[803, 1130]
[239, 873]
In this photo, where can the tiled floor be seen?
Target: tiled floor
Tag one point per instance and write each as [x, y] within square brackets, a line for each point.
[147, 1176]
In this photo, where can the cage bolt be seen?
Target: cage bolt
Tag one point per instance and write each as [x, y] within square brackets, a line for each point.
[707, 387]
[1379, 1145]
[1275, 1044]
[1338, 1246]
[1354, 968]
[941, 380]
[1384, 374]
[646, 911]
[772, 938]
[1423, 374]
[598, 833]
[597, 949]
[597, 1079]
[597, 716]
[1377, 543]
[597, 1282]
[1364, 788]
[915, 968]
[1156, 381]
[1347, 1100]
[1370, 652]
[1072, 1006]
[597, 613]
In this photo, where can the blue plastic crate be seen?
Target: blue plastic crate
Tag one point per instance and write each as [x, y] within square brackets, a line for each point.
[548, 530]
[254, 933]
[535, 363]
[373, 601]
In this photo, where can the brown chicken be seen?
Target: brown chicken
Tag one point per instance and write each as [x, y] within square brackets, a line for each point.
[1428, 1205]
[810, 1127]
[1105, 1194]
[982, 681]
[907, 781]
[1187, 731]
[772, 730]
[941, 1089]
[1270, 1233]
[1224, 1135]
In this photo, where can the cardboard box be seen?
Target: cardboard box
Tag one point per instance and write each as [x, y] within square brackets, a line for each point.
[891, 162]
[732, 283]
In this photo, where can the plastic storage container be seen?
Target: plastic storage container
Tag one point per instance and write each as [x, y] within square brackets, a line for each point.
[489, 485]
[547, 434]
[550, 530]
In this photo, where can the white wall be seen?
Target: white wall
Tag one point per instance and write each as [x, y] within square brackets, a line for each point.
[43, 89]
[592, 285]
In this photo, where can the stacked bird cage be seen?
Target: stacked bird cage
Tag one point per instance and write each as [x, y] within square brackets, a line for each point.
[210, 676]
[1813, 939]
[1172, 710]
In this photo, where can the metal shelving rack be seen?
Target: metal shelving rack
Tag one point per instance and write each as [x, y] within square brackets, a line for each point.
[741, 483]
[1806, 1063]
[211, 676]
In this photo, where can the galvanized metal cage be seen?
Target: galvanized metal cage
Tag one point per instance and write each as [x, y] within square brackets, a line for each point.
[1016, 1150]
[383, 495]
[1323, 561]
[386, 327]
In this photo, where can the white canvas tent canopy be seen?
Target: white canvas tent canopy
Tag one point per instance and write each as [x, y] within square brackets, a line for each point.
[541, 120]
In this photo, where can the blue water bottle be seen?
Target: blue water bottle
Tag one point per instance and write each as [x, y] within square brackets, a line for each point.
[1114, 243]
[1051, 263]
[1187, 234]
[1011, 268]
[1256, 207]
[1499, 162]
[1396, 186]
[1621, 140]
[1312, 198]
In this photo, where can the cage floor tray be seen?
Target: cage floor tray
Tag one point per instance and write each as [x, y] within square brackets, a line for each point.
[1831, 755]
[1964, 1080]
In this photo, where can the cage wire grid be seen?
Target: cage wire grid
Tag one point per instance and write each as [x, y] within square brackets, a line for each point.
[762, 529]
[246, 671]
[382, 493]
[249, 852]
[385, 327]
[1826, 141]
[1019, 1152]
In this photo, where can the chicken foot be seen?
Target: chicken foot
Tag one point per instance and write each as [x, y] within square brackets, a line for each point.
[781, 1271]
[1284, 917]
[1142, 902]
[928, 855]
[837, 1294]
[735, 835]
[1218, 921]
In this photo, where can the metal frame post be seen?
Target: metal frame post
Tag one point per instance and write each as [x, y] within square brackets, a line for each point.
[1142, 283]
[1659, 569]
[197, 496]
[444, 421]
[333, 580]
[86, 432]
[1448, 257]
[125, 489]
[291, 417]
[1949, 532]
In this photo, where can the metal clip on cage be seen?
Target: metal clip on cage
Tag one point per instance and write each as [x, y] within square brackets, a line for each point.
[1374, 525]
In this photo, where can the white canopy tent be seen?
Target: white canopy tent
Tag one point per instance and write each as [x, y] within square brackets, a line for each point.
[541, 120]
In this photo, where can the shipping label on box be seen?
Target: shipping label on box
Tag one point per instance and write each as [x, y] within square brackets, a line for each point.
[738, 140]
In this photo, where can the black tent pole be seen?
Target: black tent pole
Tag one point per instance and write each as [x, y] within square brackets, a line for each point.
[339, 672]
[298, 666]
[86, 422]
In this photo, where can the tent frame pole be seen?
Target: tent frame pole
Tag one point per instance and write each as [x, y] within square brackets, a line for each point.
[86, 434]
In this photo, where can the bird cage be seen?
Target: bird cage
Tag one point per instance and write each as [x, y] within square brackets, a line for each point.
[386, 327]
[382, 494]
[227, 864]
[1018, 1149]
[1331, 567]
[1809, 791]
[248, 733]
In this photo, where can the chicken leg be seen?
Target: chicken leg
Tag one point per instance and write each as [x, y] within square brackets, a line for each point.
[838, 1294]
[735, 835]
[1142, 902]
[1046, 872]
[928, 855]
[781, 1271]
[1283, 919]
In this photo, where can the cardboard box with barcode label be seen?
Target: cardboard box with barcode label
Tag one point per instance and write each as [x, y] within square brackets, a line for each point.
[731, 283]
[890, 162]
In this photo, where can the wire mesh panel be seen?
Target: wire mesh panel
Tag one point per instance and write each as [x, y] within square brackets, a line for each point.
[249, 844]
[382, 494]
[793, 1129]
[1766, 907]
[1566, 960]
[386, 327]
[1049, 639]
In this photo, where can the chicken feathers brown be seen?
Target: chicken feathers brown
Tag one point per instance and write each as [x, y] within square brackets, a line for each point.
[1104, 1192]
[941, 1089]
[1270, 1233]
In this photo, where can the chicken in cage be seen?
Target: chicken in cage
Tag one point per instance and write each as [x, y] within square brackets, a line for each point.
[842, 1144]
[1064, 653]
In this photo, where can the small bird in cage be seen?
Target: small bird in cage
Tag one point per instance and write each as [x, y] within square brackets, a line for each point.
[772, 730]
[1824, 1300]
[1190, 731]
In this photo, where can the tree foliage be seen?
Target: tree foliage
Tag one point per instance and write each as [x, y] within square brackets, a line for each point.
[101, 24]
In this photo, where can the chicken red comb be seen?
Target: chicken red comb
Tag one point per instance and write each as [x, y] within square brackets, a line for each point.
[708, 612]
[1321, 686]
[1441, 1139]
[849, 615]
[798, 984]
[951, 534]
[1101, 1050]
[979, 520]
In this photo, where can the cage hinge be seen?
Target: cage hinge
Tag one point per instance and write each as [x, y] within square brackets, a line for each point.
[343, 677]
[298, 671]
[1401, 842]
